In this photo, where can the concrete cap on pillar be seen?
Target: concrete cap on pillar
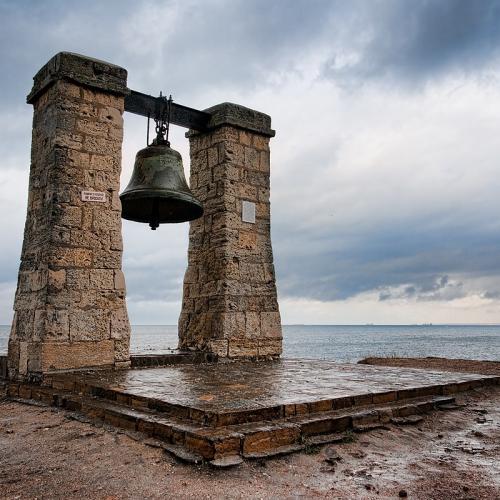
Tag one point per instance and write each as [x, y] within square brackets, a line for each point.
[238, 116]
[81, 70]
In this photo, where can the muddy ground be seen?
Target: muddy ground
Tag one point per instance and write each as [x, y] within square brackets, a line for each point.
[47, 453]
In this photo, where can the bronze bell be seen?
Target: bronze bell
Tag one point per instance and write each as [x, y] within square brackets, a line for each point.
[158, 192]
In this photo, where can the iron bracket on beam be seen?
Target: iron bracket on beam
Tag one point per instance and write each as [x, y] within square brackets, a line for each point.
[147, 105]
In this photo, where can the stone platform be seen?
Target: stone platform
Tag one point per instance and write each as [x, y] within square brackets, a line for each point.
[223, 412]
[242, 387]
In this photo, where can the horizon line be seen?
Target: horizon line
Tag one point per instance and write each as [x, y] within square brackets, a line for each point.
[341, 324]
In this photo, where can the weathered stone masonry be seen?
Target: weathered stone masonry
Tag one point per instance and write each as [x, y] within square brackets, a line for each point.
[69, 307]
[70, 302]
[230, 305]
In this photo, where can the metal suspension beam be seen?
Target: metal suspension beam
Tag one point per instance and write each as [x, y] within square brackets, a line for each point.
[147, 105]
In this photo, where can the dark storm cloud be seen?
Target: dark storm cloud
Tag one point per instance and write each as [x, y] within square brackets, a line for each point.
[191, 48]
[439, 288]
[416, 257]
[415, 41]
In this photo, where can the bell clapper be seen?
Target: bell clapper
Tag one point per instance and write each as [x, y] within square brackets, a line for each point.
[155, 215]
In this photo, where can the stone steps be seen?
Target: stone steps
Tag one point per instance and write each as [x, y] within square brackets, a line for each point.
[229, 445]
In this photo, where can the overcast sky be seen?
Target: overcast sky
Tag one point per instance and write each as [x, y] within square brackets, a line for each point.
[385, 168]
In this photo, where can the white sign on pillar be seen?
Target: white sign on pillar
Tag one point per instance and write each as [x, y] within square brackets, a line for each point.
[248, 212]
[97, 196]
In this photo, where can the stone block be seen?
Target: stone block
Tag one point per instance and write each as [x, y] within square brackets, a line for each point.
[122, 365]
[212, 156]
[91, 127]
[56, 280]
[87, 219]
[78, 159]
[34, 357]
[224, 134]
[120, 420]
[37, 280]
[69, 217]
[107, 259]
[101, 299]
[78, 279]
[56, 325]
[245, 191]
[251, 272]
[319, 406]
[200, 446]
[116, 242]
[269, 347]
[122, 349]
[100, 180]
[106, 220]
[326, 425]
[70, 257]
[105, 161]
[64, 299]
[264, 162]
[111, 116]
[119, 280]
[89, 325]
[22, 326]
[85, 238]
[101, 145]
[245, 138]
[252, 158]
[115, 133]
[102, 279]
[247, 240]
[260, 142]
[13, 390]
[105, 99]
[242, 347]
[385, 397]
[232, 324]
[191, 275]
[363, 399]
[218, 347]
[270, 324]
[231, 154]
[270, 438]
[24, 391]
[69, 89]
[67, 356]
[120, 327]
[227, 447]
[252, 325]
[65, 139]
[224, 171]
[23, 358]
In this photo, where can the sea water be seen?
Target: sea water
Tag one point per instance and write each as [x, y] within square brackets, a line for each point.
[348, 343]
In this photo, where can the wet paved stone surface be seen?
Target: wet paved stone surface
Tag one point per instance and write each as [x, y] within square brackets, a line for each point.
[223, 387]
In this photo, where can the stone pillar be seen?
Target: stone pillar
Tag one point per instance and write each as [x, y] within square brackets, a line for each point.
[230, 305]
[69, 307]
